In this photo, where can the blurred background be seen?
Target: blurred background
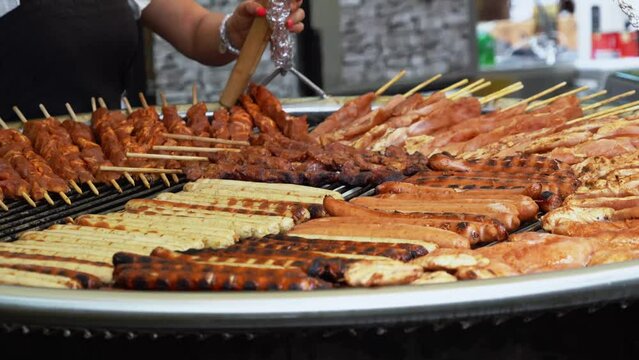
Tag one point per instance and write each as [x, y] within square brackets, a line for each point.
[352, 46]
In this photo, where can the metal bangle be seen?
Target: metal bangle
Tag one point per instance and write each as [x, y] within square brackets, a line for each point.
[225, 42]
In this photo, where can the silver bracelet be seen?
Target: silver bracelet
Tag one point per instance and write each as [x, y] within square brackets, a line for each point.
[225, 43]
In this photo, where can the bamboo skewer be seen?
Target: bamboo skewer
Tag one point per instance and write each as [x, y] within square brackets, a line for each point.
[167, 157]
[616, 112]
[24, 195]
[465, 88]
[603, 113]
[127, 105]
[126, 175]
[129, 110]
[454, 86]
[538, 95]
[145, 105]
[165, 103]
[550, 100]
[47, 197]
[512, 88]
[206, 139]
[466, 92]
[194, 94]
[609, 100]
[194, 149]
[421, 85]
[75, 118]
[390, 83]
[594, 95]
[72, 182]
[3, 206]
[140, 170]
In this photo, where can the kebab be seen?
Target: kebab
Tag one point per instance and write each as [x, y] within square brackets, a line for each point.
[90, 151]
[32, 168]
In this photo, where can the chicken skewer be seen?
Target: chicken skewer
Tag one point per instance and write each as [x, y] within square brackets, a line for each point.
[128, 139]
[92, 153]
[30, 166]
[12, 183]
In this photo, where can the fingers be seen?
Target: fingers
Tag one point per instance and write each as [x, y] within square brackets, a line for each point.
[294, 22]
[251, 9]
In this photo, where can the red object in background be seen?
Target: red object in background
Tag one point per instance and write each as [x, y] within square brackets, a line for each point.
[629, 44]
[605, 45]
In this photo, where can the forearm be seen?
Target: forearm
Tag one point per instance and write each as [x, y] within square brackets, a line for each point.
[206, 41]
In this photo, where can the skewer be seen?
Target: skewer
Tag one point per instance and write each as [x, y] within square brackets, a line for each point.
[538, 95]
[127, 104]
[26, 196]
[390, 83]
[463, 93]
[206, 139]
[145, 105]
[454, 86]
[93, 107]
[193, 149]
[549, 100]
[194, 94]
[47, 197]
[140, 170]
[603, 113]
[116, 186]
[609, 100]
[594, 95]
[421, 85]
[72, 182]
[144, 180]
[632, 108]
[3, 206]
[127, 176]
[512, 88]
[167, 157]
[74, 117]
[467, 87]
[163, 99]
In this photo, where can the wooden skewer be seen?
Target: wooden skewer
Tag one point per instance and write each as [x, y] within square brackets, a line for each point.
[3, 206]
[538, 95]
[421, 85]
[390, 83]
[93, 107]
[472, 90]
[163, 99]
[140, 170]
[127, 176]
[454, 86]
[26, 196]
[65, 198]
[28, 199]
[144, 180]
[604, 113]
[102, 103]
[143, 100]
[165, 179]
[176, 179]
[609, 100]
[75, 118]
[48, 198]
[632, 108]
[75, 186]
[467, 87]
[193, 149]
[116, 186]
[501, 93]
[194, 94]
[549, 100]
[206, 139]
[20, 114]
[127, 105]
[167, 157]
[72, 182]
[594, 95]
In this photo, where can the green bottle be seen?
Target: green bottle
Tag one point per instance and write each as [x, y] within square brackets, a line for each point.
[485, 49]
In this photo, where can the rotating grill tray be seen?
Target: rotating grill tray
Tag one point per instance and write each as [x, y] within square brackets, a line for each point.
[107, 313]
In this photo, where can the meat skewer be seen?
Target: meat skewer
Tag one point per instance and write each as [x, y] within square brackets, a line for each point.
[552, 99]
[11, 182]
[92, 153]
[74, 154]
[537, 95]
[32, 168]
[130, 141]
[111, 145]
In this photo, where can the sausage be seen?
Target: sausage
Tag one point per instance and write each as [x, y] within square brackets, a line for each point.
[360, 227]
[526, 206]
[178, 277]
[87, 281]
[477, 230]
[506, 214]
[401, 252]
[512, 164]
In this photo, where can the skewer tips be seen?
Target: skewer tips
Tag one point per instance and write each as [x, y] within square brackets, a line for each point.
[28, 199]
[116, 186]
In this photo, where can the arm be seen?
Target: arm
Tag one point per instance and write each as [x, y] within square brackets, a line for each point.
[194, 31]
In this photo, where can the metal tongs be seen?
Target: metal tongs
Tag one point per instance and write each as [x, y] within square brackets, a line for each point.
[272, 29]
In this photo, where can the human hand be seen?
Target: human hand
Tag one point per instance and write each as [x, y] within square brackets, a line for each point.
[240, 21]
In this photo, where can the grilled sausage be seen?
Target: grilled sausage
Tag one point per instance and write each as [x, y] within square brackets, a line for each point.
[86, 281]
[512, 164]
